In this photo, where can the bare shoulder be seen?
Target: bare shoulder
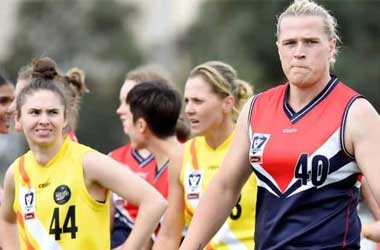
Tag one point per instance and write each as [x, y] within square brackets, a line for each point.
[362, 129]
[361, 117]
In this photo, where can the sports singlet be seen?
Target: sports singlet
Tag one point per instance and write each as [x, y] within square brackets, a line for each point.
[308, 184]
[200, 164]
[53, 207]
[147, 169]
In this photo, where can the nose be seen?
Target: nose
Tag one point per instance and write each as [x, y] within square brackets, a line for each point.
[121, 109]
[189, 109]
[44, 119]
[300, 51]
[11, 108]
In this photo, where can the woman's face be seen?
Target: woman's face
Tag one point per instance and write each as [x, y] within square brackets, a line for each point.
[42, 118]
[6, 98]
[203, 107]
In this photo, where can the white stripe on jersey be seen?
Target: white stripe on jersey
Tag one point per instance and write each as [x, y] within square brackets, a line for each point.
[35, 228]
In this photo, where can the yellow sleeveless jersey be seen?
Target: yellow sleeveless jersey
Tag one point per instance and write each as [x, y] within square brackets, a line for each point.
[53, 207]
[200, 164]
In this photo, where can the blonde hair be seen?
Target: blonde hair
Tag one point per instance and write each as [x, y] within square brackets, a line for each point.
[310, 8]
[224, 82]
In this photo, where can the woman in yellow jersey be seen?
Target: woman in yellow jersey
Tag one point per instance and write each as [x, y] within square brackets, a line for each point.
[58, 192]
[213, 96]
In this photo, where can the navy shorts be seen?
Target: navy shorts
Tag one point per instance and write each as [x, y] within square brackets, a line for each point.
[119, 233]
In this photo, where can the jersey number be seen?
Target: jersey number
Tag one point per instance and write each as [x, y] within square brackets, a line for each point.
[236, 211]
[319, 169]
[69, 225]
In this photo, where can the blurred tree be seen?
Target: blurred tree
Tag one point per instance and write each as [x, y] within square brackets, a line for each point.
[93, 35]
[242, 33]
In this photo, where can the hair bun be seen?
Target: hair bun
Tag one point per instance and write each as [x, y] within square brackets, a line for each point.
[44, 68]
[76, 77]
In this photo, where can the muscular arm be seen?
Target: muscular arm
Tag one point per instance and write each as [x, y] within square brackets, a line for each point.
[222, 193]
[8, 228]
[171, 229]
[362, 139]
[113, 176]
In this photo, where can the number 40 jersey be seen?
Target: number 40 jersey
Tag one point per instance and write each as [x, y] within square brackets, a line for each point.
[53, 208]
[308, 184]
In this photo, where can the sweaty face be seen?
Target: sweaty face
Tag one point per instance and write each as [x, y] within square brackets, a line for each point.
[305, 50]
[42, 118]
[122, 109]
[6, 98]
[203, 107]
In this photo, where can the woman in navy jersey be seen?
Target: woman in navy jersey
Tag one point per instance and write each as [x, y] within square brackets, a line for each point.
[307, 140]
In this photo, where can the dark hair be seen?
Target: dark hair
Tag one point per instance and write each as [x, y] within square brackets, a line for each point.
[158, 104]
[156, 73]
[43, 76]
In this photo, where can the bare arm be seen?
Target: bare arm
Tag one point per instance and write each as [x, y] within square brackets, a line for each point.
[363, 140]
[369, 200]
[223, 191]
[372, 231]
[171, 229]
[116, 177]
[8, 228]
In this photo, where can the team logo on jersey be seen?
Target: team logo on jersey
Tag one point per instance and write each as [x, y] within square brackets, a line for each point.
[258, 144]
[194, 181]
[62, 194]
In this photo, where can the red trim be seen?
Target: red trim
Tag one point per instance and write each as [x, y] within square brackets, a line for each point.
[193, 152]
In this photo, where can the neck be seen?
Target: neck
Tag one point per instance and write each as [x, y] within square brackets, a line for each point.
[43, 154]
[299, 97]
[218, 135]
[162, 149]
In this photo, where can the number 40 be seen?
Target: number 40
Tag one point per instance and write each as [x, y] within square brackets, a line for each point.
[319, 169]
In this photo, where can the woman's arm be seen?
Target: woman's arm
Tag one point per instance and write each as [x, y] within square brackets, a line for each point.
[8, 229]
[113, 176]
[362, 139]
[170, 233]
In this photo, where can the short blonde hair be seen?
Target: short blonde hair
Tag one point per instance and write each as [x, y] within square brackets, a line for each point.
[310, 8]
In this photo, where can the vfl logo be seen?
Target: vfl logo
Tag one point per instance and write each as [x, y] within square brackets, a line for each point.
[258, 144]
[194, 181]
[29, 200]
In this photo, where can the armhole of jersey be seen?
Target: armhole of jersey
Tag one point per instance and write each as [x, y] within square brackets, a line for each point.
[253, 100]
[186, 153]
[91, 200]
[16, 187]
[343, 126]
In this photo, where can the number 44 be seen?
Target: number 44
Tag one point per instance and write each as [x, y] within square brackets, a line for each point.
[69, 225]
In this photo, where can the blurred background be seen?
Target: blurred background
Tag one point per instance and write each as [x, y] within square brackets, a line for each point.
[107, 38]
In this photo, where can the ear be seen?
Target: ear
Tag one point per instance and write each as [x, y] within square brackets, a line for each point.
[18, 125]
[141, 125]
[228, 104]
[278, 49]
[332, 48]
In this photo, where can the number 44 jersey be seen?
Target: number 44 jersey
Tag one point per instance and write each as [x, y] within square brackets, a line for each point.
[53, 208]
[308, 184]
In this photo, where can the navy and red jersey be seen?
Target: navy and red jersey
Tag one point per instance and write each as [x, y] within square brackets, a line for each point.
[147, 169]
[308, 184]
